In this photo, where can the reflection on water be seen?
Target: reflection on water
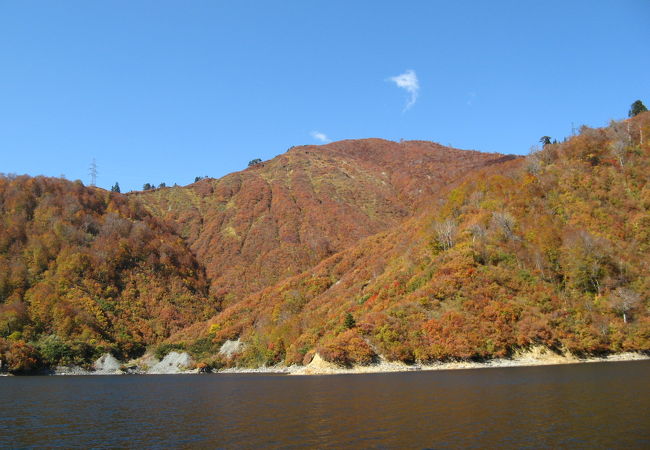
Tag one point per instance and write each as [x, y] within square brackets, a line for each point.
[601, 404]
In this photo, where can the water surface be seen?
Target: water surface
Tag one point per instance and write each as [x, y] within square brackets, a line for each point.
[583, 405]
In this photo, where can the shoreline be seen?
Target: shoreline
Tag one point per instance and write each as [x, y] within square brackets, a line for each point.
[525, 361]
[535, 357]
[318, 366]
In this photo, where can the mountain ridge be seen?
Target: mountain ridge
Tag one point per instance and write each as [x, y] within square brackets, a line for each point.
[519, 255]
[355, 250]
[281, 216]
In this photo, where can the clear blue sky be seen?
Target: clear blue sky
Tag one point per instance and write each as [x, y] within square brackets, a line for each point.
[167, 90]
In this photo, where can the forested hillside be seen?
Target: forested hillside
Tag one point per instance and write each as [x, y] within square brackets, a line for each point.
[84, 271]
[356, 250]
[278, 218]
[553, 250]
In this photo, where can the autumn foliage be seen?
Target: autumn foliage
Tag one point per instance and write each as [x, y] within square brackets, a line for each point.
[357, 250]
[548, 250]
[347, 349]
[84, 271]
[254, 228]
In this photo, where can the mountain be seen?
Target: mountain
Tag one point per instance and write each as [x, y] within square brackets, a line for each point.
[553, 250]
[84, 271]
[355, 250]
[253, 228]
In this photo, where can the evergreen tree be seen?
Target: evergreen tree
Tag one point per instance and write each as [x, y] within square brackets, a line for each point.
[116, 187]
[349, 321]
[545, 140]
[637, 108]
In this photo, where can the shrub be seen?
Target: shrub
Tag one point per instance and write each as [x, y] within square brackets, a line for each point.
[55, 351]
[163, 349]
[19, 356]
[348, 348]
[202, 347]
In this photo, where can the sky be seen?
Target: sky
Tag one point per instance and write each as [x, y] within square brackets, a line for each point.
[164, 91]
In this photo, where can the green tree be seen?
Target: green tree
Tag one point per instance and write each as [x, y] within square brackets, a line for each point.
[55, 351]
[637, 108]
[147, 187]
[116, 187]
[545, 140]
[254, 162]
[349, 321]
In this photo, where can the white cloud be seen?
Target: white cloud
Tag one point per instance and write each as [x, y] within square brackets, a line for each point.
[322, 137]
[409, 82]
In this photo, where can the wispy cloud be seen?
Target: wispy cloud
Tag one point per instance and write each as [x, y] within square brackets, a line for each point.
[471, 96]
[321, 137]
[409, 82]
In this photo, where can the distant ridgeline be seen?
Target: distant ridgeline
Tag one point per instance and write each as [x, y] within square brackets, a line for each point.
[354, 250]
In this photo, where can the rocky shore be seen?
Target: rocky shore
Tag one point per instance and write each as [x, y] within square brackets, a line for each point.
[107, 364]
[538, 356]
[182, 363]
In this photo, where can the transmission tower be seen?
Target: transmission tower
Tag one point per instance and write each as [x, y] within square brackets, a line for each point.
[92, 171]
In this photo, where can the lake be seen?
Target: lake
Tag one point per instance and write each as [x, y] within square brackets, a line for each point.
[582, 405]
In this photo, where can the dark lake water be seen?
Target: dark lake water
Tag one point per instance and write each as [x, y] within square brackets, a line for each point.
[585, 405]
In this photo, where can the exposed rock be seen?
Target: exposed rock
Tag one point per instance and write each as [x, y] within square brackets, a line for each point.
[70, 370]
[229, 347]
[107, 364]
[277, 369]
[540, 353]
[318, 366]
[173, 362]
